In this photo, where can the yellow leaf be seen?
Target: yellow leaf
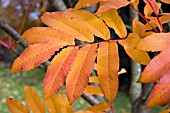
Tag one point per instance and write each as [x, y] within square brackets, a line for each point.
[114, 21]
[94, 79]
[138, 28]
[165, 111]
[78, 77]
[122, 71]
[148, 10]
[58, 70]
[99, 107]
[134, 2]
[44, 34]
[84, 3]
[66, 22]
[163, 19]
[99, 27]
[91, 90]
[108, 4]
[64, 104]
[53, 104]
[89, 112]
[15, 106]
[107, 69]
[33, 100]
[34, 55]
[166, 1]
[137, 55]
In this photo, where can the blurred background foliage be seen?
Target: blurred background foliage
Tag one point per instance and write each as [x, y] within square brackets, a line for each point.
[24, 14]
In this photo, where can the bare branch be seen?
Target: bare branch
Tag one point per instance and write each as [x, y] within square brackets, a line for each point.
[90, 99]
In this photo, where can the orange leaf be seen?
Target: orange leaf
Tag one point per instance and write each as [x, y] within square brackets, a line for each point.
[33, 100]
[99, 107]
[165, 18]
[84, 3]
[107, 69]
[34, 55]
[94, 79]
[53, 104]
[137, 55]
[15, 106]
[114, 21]
[99, 27]
[166, 1]
[105, 6]
[78, 77]
[67, 22]
[89, 112]
[148, 10]
[44, 34]
[160, 93]
[134, 2]
[58, 70]
[91, 90]
[165, 111]
[156, 68]
[154, 42]
[64, 104]
[138, 28]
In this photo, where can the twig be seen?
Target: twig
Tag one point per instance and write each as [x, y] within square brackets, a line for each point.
[58, 5]
[4, 44]
[144, 18]
[17, 37]
[70, 3]
[140, 103]
[155, 14]
[112, 108]
[24, 19]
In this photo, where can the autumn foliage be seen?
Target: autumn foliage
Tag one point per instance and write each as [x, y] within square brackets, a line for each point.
[74, 63]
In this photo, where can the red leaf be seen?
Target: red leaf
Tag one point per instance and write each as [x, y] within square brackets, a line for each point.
[154, 42]
[156, 68]
[160, 93]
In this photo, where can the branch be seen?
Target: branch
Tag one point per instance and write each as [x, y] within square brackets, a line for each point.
[17, 37]
[59, 5]
[90, 99]
[135, 88]
[140, 103]
[144, 18]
